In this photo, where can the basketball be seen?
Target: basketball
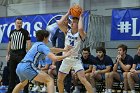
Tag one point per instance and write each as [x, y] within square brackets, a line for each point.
[75, 10]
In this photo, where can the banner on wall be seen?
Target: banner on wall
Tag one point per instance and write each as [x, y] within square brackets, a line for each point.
[125, 24]
[32, 23]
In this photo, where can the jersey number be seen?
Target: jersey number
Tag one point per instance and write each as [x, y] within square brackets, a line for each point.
[71, 42]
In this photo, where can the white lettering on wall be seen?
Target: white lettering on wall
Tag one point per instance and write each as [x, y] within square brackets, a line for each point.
[134, 33]
[27, 25]
[37, 26]
[10, 28]
[126, 27]
[2, 29]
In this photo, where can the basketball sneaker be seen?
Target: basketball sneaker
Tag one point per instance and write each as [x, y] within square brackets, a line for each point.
[35, 88]
[44, 89]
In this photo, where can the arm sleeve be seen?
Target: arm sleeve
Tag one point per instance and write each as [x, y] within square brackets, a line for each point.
[130, 61]
[109, 62]
[135, 59]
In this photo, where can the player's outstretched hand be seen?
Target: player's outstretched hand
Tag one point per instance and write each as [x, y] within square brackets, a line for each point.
[68, 53]
[69, 48]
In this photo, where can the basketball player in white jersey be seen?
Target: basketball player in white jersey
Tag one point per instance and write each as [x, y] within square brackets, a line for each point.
[73, 38]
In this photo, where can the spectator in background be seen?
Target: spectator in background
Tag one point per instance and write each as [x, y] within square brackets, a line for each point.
[134, 74]
[124, 61]
[5, 75]
[87, 61]
[19, 41]
[102, 66]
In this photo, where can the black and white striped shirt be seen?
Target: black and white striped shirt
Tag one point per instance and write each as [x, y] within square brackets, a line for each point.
[18, 39]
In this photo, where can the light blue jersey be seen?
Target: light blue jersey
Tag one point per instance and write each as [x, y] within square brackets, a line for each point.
[27, 68]
[38, 52]
[45, 61]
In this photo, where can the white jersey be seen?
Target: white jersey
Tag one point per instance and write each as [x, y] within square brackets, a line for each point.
[73, 40]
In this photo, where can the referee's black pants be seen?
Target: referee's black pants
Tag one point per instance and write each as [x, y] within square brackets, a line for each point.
[15, 58]
[5, 75]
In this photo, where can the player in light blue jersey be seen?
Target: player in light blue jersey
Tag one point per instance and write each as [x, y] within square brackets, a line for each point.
[27, 70]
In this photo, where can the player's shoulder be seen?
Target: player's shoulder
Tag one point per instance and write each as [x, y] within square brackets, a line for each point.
[40, 46]
[129, 56]
[136, 56]
[107, 56]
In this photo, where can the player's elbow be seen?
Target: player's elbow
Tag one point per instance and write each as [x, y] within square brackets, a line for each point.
[80, 29]
[59, 23]
[54, 59]
[126, 70]
[107, 70]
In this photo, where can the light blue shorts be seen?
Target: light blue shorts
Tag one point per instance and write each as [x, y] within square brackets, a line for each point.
[26, 71]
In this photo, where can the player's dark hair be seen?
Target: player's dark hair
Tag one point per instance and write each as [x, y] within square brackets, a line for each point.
[86, 49]
[124, 47]
[18, 18]
[101, 49]
[75, 18]
[41, 34]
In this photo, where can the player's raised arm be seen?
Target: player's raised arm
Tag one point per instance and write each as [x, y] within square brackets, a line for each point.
[63, 22]
[80, 28]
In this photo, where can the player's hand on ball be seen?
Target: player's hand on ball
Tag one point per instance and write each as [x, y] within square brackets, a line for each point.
[81, 15]
[68, 12]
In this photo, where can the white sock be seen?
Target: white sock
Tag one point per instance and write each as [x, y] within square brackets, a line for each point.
[124, 91]
[133, 91]
[94, 90]
[110, 90]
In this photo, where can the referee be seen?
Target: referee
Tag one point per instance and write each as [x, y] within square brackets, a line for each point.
[19, 41]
